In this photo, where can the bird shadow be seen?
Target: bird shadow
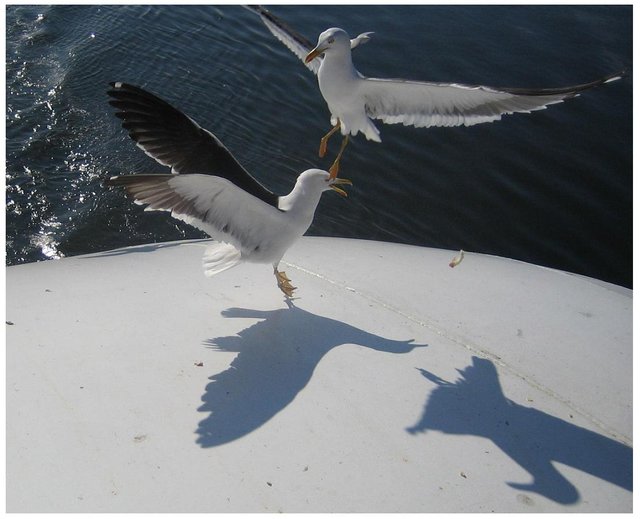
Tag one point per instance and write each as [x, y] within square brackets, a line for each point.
[276, 359]
[476, 405]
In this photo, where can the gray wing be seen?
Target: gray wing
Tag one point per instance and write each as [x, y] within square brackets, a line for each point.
[449, 104]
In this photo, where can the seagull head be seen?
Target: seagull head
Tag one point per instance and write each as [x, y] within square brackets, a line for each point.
[305, 195]
[332, 40]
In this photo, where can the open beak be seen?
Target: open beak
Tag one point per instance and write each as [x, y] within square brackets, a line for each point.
[314, 54]
[333, 184]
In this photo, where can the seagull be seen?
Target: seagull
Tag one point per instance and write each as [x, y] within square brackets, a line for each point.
[354, 100]
[209, 189]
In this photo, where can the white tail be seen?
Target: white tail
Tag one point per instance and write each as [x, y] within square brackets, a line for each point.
[219, 257]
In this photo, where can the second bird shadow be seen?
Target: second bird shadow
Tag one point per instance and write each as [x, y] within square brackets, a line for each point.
[276, 359]
[475, 405]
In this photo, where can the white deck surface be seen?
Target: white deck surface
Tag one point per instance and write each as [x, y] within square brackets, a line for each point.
[395, 384]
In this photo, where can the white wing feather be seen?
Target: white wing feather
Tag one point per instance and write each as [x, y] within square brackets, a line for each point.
[442, 104]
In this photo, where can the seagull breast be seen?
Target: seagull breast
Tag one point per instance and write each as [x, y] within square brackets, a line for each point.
[341, 87]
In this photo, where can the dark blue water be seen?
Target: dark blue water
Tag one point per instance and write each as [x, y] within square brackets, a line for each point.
[552, 188]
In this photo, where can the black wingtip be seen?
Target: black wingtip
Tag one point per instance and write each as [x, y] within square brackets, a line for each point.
[268, 16]
[570, 91]
[178, 141]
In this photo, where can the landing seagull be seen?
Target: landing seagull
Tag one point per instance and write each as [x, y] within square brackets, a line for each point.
[354, 99]
[210, 190]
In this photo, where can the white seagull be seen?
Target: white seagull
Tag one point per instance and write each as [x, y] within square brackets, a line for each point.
[354, 100]
[210, 190]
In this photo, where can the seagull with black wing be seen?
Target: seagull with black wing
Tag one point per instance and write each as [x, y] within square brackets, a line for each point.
[354, 100]
[209, 189]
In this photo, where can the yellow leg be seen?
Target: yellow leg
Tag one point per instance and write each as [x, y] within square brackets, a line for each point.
[323, 142]
[333, 170]
[284, 283]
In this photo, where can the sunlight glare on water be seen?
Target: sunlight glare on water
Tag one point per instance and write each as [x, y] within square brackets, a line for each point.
[552, 187]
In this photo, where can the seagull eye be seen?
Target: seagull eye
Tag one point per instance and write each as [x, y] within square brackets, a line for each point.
[330, 40]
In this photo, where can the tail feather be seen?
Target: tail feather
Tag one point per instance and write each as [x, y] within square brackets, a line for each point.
[219, 257]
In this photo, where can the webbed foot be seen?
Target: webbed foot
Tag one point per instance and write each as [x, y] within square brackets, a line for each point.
[284, 283]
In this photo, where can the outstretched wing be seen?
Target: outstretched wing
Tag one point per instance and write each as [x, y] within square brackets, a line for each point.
[177, 141]
[211, 204]
[294, 41]
[450, 104]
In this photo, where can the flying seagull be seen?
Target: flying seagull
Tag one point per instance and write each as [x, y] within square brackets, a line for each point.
[354, 100]
[210, 190]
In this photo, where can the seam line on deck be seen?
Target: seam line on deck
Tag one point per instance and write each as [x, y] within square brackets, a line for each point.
[476, 350]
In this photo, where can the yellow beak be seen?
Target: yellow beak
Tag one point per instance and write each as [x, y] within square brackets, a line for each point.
[313, 54]
[340, 181]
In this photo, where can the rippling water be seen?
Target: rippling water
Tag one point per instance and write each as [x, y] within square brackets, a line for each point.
[553, 187]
